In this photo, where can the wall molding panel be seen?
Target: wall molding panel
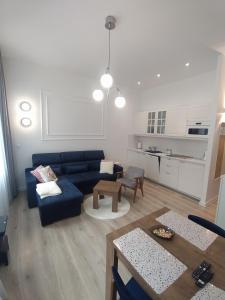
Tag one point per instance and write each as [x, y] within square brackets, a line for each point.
[69, 118]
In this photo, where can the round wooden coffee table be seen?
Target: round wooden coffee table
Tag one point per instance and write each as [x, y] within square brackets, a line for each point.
[109, 188]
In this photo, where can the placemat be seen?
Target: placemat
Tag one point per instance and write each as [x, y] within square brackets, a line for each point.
[156, 265]
[209, 292]
[187, 229]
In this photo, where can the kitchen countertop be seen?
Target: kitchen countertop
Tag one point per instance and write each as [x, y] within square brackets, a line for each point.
[191, 160]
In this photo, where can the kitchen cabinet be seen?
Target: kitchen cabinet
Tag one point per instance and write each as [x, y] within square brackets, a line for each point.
[145, 161]
[135, 158]
[191, 178]
[151, 167]
[141, 122]
[176, 122]
[169, 122]
[169, 172]
[199, 113]
[182, 175]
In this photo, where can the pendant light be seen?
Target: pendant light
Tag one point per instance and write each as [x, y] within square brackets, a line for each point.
[120, 101]
[98, 95]
[106, 79]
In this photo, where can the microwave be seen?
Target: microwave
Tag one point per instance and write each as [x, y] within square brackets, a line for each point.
[197, 128]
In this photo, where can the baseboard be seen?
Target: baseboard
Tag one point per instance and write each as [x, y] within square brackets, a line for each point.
[205, 204]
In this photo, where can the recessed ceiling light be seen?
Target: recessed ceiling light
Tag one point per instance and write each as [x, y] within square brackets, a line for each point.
[187, 64]
[158, 75]
[138, 83]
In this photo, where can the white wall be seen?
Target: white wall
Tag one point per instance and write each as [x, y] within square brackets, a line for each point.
[211, 183]
[24, 81]
[196, 90]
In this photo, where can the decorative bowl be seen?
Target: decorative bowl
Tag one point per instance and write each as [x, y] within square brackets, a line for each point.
[162, 232]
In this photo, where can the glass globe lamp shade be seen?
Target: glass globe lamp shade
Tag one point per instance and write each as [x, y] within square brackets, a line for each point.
[25, 106]
[26, 122]
[98, 95]
[106, 81]
[120, 101]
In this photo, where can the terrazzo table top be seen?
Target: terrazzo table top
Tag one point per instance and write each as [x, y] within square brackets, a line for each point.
[156, 265]
[209, 292]
[187, 229]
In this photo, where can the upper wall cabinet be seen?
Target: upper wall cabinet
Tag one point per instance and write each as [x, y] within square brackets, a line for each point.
[141, 122]
[176, 122]
[198, 113]
[170, 122]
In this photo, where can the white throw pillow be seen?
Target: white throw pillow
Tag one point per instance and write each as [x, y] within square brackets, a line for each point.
[47, 174]
[106, 167]
[47, 189]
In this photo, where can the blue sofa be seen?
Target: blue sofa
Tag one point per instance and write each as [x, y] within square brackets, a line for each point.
[81, 168]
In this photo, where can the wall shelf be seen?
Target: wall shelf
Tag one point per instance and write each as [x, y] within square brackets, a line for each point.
[175, 137]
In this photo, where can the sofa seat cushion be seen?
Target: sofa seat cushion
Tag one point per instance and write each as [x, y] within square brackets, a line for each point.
[69, 192]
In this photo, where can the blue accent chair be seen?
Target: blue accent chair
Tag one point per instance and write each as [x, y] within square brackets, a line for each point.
[130, 291]
[208, 225]
[77, 172]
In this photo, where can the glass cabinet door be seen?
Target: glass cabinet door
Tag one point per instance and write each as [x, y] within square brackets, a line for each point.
[161, 122]
[151, 122]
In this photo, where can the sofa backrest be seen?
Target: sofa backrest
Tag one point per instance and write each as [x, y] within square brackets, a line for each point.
[91, 158]
[46, 159]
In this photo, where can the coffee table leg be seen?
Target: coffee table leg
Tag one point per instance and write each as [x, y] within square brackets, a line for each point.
[115, 202]
[95, 200]
[119, 196]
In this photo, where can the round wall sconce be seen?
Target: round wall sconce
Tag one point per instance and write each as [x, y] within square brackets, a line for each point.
[25, 122]
[25, 106]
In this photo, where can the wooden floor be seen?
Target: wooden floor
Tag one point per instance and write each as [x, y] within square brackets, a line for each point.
[66, 260]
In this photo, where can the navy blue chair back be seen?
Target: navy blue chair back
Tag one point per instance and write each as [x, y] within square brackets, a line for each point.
[121, 288]
[208, 225]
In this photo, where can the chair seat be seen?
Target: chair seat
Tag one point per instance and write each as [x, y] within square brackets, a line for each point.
[136, 292]
[127, 182]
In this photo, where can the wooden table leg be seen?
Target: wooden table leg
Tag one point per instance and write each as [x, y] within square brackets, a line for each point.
[111, 260]
[119, 196]
[115, 202]
[95, 199]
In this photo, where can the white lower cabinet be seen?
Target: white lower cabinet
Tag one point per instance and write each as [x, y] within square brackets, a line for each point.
[151, 167]
[184, 176]
[147, 162]
[169, 172]
[191, 178]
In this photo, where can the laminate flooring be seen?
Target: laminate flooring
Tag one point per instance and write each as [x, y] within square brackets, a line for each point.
[66, 260]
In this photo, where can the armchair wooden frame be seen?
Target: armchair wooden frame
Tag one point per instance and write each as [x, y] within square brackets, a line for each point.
[139, 182]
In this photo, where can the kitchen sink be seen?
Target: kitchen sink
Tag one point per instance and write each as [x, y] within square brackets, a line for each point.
[179, 156]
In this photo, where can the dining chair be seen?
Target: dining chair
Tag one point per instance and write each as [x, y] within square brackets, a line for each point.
[208, 225]
[130, 291]
[133, 179]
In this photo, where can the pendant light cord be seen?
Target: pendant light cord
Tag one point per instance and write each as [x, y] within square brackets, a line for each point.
[109, 53]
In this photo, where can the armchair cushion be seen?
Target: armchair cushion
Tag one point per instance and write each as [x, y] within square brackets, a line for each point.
[131, 183]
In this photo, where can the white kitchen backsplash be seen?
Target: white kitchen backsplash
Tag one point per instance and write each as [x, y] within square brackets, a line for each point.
[185, 147]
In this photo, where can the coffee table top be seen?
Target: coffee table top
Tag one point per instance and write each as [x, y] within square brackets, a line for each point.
[108, 186]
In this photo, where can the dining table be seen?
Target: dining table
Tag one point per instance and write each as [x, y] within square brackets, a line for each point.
[163, 268]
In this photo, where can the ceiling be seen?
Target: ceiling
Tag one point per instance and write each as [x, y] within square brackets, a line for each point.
[152, 36]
